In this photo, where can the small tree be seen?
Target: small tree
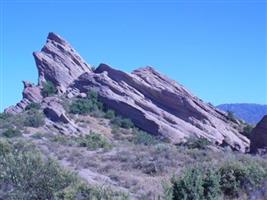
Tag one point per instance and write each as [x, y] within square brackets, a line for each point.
[33, 118]
[35, 106]
[48, 89]
[231, 116]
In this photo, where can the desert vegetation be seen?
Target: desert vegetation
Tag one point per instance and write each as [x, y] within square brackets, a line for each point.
[48, 89]
[28, 174]
[52, 166]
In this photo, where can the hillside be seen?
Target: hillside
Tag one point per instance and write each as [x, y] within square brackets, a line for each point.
[250, 113]
[83, 133]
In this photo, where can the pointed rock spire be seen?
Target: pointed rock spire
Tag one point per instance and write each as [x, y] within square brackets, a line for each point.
[59, 63]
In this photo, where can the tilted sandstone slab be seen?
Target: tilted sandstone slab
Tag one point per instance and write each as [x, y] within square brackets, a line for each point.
[160, 106]
[59, 63]
[259, 136]
[152, 101]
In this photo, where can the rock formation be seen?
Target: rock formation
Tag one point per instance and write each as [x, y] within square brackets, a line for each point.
[160, 106]
[259, 136]
[152, 101]
[31, 93]
[59, 63]
[56, 115]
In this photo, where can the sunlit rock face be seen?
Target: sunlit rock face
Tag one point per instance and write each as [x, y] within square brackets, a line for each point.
[151, 100]
[160, 106]
[59, 63]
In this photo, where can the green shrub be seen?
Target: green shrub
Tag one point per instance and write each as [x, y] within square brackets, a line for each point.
[228, 179]
[5, 147]
[11, 121]
[48, 89]
[26, 174]
[241, 175]
[231, 116]
[83, 192]
[141, 137]
[110, 114]
[12, 132]
[197, 143]
[33, 118]
[247, 130]
[122, 122]
[127, 123]
[232, 177]
[93, 141]
[4, 116]
[86, 105]
[196, 183]
[81, 106]
[64, 140]
[31, 106]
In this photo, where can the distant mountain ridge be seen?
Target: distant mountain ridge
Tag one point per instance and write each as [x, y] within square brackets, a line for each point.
[251, 113]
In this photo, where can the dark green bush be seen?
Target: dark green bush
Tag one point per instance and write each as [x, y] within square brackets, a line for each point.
[141, 137]
[31, 106]
[5, 146]
[93, 141]
[4, 116]
[86, 105]
[247, 130]
[110, 114]
[197, 143]
[232, 177]
[33, 118]
[241, 175]
[127, 123]
[82, 106]
[122, 122]
[196, 183]
[26, 174]
[228, 179]
[231, 116]
[12, 132]
[48, 89]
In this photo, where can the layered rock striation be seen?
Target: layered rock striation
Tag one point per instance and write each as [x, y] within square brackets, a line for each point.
[151, 100]
[160, 106]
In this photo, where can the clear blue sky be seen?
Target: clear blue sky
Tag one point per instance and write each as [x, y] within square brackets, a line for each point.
[217, 49]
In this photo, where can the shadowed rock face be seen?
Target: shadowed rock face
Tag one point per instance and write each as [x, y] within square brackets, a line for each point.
[160, 106]
[152, 101]
[259, 136]
[59, 63]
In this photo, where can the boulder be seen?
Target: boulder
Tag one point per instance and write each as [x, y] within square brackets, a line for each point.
[32, 92]
[259, 136]
[160, 106]
[56, 115]
[59, 63]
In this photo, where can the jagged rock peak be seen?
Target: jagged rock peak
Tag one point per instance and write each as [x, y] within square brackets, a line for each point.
[59, 63]
[54, 37]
